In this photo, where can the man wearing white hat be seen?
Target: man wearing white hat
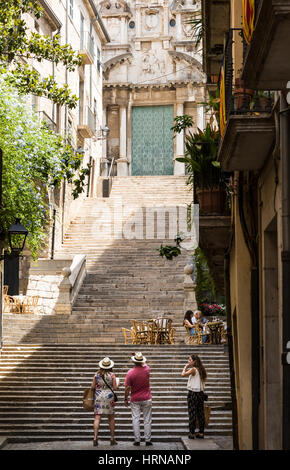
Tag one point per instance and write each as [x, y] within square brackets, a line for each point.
[137, 383]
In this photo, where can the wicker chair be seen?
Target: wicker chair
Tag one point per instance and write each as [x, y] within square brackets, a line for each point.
[29, 304]
[165, 333]
[129, 333]
[141, 331]
[197, 337]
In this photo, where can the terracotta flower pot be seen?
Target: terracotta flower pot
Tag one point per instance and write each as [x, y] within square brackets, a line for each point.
[242, 96]
[211, 201]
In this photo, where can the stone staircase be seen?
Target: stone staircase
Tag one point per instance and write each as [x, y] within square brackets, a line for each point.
[41, 389]
[126, 277]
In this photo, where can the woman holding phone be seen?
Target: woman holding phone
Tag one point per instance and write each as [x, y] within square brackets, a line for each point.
[197, 375]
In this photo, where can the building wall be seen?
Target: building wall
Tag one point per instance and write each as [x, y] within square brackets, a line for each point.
[67, 121]
[271, 307]
[151, 60]
[63, 17]
[241, 320]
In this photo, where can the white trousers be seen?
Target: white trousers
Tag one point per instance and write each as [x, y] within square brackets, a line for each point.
[146, 408]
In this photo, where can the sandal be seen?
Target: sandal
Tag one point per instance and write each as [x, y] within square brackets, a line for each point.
[191, 436]
[199, 435]
[113, 442]
[95, 443]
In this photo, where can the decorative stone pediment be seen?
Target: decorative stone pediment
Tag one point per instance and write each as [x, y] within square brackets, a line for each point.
[117, 60]
[186, 57]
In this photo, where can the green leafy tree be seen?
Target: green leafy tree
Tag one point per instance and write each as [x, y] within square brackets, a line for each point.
[35, 160]
[205, 289]
[18, 45]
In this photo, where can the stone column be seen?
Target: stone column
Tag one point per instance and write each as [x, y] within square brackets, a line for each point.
[122, 162]
[200, 117]
[138, 21]
[124, 30]
[166, 21]
[179, 168]
[178, 27]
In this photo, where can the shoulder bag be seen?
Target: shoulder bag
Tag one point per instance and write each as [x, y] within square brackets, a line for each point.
[88, 399]
[114, 394]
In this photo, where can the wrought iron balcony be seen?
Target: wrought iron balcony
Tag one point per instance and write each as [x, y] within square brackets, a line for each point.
[266, 62]
[87, 125]
[87, 48]
[249, 131]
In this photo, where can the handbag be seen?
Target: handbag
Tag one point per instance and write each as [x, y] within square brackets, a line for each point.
[114, 394]
[88, 399]
[207, 412]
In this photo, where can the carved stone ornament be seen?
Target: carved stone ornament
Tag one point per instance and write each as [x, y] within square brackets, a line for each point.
[151, 19]
[151, 64]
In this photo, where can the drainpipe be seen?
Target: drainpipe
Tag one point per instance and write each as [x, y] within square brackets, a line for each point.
[231, 349]
[285, 165]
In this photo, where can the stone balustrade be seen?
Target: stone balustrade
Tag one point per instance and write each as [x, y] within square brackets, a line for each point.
[56, 283]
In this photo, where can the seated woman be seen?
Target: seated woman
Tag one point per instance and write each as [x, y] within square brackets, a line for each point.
[189, 321]
[201, 321]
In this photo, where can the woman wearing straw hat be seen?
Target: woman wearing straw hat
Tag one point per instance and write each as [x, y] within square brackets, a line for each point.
[105, 383]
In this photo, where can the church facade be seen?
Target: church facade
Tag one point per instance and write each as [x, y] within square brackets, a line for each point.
[152, 72]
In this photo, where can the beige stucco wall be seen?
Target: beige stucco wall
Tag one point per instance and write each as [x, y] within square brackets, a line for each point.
[241, 303]
[270, 308]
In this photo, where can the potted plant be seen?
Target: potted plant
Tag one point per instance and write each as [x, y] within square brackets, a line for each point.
[242, 95]
[200, 159]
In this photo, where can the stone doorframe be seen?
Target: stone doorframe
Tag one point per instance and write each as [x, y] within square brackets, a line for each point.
[125, 97]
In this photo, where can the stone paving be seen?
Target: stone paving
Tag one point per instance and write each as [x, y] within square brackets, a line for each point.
[88, 445]
[220, 443]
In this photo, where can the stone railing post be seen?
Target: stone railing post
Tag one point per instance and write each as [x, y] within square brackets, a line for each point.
[63, 305]
[189, 289]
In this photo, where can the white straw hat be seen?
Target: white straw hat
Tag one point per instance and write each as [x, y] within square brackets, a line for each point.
[106, 363]
[139, 358]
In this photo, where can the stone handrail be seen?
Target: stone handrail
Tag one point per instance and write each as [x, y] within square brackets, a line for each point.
[56, 283]
[78, 272]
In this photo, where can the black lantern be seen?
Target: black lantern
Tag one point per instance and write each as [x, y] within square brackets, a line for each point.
[17, 234]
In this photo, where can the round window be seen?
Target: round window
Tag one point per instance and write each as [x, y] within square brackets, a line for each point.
[172, 22]
[132, 24]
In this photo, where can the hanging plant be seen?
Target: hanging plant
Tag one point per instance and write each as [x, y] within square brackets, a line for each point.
[171, 251]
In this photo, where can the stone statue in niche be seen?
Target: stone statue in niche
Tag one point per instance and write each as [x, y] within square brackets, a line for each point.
[151, 64]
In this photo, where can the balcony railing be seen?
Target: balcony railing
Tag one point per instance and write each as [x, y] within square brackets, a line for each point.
[238, 98]
[87, 47]
[87, 125]
[44, 117]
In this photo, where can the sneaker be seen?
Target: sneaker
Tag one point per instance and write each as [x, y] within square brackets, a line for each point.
[149, 443]
[136, 443]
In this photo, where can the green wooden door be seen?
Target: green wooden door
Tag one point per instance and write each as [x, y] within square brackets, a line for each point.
[152, 140]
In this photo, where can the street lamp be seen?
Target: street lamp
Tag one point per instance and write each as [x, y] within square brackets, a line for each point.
[17, 234]
[103, 133]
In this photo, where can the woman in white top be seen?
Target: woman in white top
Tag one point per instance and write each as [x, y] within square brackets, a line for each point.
[197, 375]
